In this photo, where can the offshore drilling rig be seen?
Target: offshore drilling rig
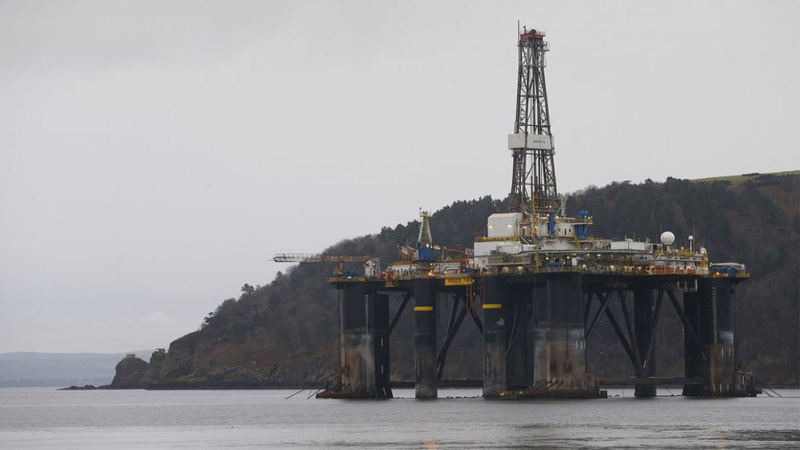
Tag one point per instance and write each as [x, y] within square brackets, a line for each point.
[536, 286]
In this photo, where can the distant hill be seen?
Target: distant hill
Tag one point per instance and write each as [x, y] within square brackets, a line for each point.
[284, 333]
[737, 179]
[25, 369]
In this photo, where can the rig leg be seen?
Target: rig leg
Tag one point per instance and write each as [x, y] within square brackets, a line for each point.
[560, 347]
[425, 338]
[693, 357]
[364, 345]
[519, 337]
[712, 313]
[494, 337]
[380, 332]
[643, 317]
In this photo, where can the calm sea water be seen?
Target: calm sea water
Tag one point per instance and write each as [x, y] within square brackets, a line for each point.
[43, 418]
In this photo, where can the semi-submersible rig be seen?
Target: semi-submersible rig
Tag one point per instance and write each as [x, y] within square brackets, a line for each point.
[536, 286]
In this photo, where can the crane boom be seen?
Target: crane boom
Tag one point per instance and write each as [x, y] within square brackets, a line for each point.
[318, 258]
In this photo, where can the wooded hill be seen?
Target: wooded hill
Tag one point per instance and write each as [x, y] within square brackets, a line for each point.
[284, 333]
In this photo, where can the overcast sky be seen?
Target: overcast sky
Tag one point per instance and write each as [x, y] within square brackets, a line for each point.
[154, 155]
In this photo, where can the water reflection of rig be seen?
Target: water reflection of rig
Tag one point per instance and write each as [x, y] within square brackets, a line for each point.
[536, 286]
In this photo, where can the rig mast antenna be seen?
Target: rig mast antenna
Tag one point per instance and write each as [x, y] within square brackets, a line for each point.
[532, 142]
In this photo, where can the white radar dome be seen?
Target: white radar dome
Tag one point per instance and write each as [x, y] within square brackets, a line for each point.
[667, 238]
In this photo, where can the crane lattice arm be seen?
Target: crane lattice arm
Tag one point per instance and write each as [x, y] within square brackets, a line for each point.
[318, 258]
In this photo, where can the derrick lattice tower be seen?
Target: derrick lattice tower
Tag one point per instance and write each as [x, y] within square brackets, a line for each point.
[533, 183]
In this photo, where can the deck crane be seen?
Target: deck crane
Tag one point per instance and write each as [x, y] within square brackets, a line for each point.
[371, 265]
[406, 253]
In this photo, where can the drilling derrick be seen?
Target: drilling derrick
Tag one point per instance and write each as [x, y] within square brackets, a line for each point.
[533, 180]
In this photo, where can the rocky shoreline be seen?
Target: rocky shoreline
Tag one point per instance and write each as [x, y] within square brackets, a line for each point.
[186, 366]
[135, 373]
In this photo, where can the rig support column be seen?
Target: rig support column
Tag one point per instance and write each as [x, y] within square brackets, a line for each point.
[494, 337]
[711, 311]
[560, 348]
[364, 352]
[519, 337]
[693, 356]
[380, 333]
[425, 338]
[643, 317]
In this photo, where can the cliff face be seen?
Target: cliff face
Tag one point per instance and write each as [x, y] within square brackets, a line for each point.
[129, 373]
[194, 361]
[285, 333]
